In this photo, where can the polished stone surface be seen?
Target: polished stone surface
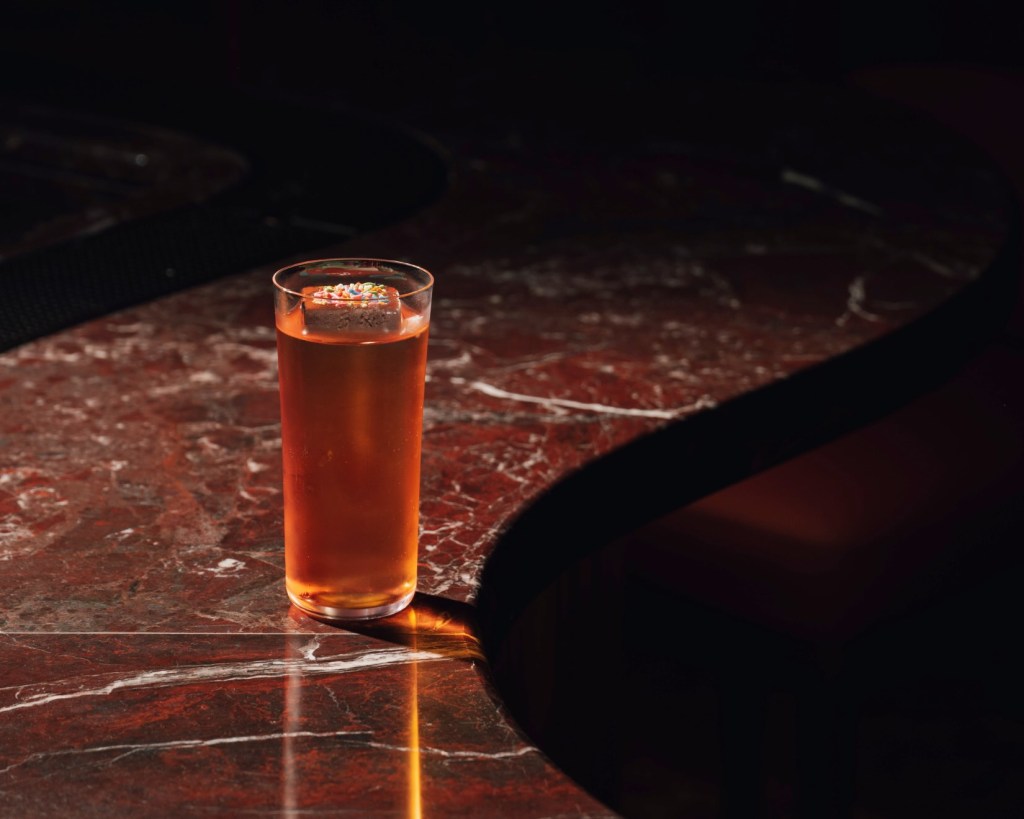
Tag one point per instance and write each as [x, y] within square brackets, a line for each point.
[593, 288]
[281, 723]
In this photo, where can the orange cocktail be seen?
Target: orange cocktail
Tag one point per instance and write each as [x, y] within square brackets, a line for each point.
[352, 351]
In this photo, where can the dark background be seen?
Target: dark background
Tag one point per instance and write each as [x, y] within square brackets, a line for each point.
[388, 56]
[258, 77]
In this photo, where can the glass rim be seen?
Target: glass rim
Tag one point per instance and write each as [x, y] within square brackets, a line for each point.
[422, 289]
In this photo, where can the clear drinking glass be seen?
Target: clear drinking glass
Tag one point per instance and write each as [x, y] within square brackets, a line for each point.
[352, 352]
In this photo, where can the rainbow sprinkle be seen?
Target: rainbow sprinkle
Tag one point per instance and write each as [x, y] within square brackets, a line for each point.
[363, 293]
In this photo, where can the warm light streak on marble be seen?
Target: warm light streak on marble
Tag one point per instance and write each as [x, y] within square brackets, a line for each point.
[415, 806]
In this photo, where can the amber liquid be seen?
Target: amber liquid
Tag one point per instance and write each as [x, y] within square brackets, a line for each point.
[351, 423]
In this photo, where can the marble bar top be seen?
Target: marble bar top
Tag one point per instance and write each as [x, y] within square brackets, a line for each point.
[611, 303]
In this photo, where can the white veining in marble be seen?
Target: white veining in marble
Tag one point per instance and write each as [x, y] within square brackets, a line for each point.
[226, 566]
[791, 177]
[855, 303]
[355, 738]
[447, 754]
[34, 696]
[561, 404]
[125, 749]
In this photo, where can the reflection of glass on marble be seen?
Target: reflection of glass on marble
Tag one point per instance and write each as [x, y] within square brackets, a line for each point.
[320, 701]
[352, 348]
[291, 724]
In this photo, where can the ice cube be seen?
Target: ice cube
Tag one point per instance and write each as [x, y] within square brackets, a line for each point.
[352, 307]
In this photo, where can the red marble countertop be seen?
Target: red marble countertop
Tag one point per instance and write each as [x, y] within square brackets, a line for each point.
[612, 305]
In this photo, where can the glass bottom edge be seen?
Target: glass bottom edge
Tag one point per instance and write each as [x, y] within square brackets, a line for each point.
[336, 614]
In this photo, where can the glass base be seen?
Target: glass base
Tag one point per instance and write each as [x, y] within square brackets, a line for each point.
[337, 614]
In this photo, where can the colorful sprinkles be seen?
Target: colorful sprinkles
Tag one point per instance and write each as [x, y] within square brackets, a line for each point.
[362, 293]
